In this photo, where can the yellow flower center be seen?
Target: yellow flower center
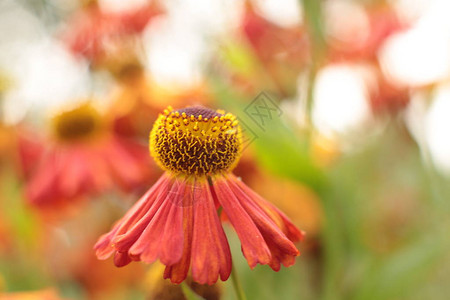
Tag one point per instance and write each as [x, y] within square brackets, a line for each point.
[81, 123]
[196, 141]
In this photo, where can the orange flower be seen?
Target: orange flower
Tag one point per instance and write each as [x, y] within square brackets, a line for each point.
[92, 29]
[138, 101]
[382, 23]
[177, 220]
[283, 52]
[85, 158]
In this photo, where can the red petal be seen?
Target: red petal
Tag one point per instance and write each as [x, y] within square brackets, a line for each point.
[74, 175]
[141, 208]
[267, 227]
[104, 247]
[152, 240]
[134, 226]
[100, 174]
[121, 259]
[267, 219]
[43, 187]
[210, 251]
[178, 272]
[279, 256]
[173, 237]
[254, 247]
[125, 168]
[291, 231]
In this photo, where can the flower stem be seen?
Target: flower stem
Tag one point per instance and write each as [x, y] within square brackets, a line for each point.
[237, 285]
[189, 293]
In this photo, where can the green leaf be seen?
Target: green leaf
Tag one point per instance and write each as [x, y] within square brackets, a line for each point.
[402, 270]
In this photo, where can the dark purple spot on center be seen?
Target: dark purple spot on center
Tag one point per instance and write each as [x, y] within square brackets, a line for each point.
[199, 110]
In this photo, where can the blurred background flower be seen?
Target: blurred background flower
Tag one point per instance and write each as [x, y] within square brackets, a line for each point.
[85, 158]
[349, 138]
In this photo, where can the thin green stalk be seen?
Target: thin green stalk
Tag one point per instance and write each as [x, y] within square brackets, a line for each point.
[237, 284]
[189, 293]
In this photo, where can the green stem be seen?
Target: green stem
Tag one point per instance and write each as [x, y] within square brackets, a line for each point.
[237, 285]
[189, 293]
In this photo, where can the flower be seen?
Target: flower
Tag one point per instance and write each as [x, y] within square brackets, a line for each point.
[364, 44]
[282, 51]
[85, 158]
[178, 219]
[91, 30]
[137, 101]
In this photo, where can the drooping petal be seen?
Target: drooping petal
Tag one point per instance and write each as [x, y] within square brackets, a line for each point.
[126, 170]
[253, 244]
[75, 175]
[110, 242]
[130, 241]
[103, 248]
[277, 230]
[279, 256]
[138, 217]
[178, 271]
[148, 244]
[268, 228]
[291, 231]
[43, 187]
[210, 251]
[173, 237]
[281, 247]
[121, 259]
[100, 176]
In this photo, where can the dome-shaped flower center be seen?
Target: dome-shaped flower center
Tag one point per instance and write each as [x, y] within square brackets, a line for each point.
[80, 123]
[196, 141]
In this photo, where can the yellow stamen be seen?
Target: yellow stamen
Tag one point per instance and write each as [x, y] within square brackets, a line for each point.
[204, 142]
